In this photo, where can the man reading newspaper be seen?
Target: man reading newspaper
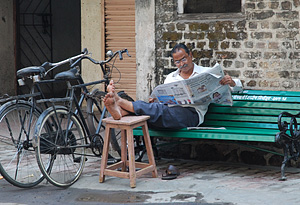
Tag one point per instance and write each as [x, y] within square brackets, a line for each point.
[163, 116]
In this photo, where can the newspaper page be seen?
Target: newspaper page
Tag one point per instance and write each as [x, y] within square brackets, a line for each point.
[200, 89]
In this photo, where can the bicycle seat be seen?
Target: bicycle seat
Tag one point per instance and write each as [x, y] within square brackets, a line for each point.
[67, 75]
[30, 71]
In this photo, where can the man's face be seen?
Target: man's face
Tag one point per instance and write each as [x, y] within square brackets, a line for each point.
[183, 61]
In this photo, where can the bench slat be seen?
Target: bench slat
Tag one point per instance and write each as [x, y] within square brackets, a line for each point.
[214, 123]
[269, 92]
[248, 118]
[289, 106]
[228, 134]
[249, 111]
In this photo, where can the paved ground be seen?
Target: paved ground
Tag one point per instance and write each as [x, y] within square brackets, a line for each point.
[198, 183]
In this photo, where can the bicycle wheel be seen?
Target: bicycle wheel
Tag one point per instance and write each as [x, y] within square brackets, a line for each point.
[18, 164]
[94, 111]
[60, 146]
[93, 119]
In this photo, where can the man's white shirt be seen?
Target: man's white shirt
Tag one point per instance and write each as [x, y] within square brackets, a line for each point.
[201, 109]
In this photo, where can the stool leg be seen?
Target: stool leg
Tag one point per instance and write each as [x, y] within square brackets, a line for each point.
[149, 149]
[131, 156]
[123, 149]
[104, 154]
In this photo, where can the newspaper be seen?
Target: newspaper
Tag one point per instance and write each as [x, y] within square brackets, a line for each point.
[200, 89]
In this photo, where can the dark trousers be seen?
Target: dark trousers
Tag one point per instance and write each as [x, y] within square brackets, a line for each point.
[165, 117]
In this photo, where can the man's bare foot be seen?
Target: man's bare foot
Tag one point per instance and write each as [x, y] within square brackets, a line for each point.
[111, 105]
[111, 89]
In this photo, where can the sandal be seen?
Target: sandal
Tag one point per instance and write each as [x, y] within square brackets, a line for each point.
[171, 173]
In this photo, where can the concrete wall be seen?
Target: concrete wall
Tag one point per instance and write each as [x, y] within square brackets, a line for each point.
[261, 46]
[7, 49]
[145, 47]
[92, 37]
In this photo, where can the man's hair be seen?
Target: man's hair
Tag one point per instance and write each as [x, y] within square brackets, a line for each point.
[179, 46]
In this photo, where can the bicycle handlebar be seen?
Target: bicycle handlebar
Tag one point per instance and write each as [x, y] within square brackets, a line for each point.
[54, 65]
[120, 52]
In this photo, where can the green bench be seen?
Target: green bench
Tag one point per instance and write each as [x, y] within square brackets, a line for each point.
[253, 117]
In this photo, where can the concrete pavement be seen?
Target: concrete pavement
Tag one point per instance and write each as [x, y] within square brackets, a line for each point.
[198, 183]
[207, 182]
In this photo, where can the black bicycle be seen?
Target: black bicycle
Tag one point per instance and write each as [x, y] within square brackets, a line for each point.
[64, 135]
[18, 116]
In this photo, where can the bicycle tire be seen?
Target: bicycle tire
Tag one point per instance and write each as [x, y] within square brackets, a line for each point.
[93, 118]
[18, 164]
[115, 138]
[60, 146]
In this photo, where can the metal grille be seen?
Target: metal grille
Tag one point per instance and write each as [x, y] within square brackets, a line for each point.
[34, 32]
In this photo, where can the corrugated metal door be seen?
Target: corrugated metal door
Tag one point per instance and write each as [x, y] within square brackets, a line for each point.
[119, 34]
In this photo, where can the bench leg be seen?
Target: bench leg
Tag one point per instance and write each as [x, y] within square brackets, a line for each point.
[285, 160]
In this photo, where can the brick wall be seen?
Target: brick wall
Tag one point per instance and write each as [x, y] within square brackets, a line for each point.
[260, 47]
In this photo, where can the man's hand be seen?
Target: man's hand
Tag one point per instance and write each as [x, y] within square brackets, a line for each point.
[151, 100]
[227, 80]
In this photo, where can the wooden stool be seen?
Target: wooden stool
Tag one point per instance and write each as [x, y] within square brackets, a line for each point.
[127, 124]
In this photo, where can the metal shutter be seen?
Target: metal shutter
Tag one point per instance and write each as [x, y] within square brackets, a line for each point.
[120, 34]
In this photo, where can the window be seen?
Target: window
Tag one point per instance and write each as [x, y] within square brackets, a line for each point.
[198, 8]
[212, 6]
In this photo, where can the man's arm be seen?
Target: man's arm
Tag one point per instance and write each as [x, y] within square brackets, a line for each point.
[235, 84]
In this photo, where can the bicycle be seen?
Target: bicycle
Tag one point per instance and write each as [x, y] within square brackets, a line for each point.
[63, 135]
[18, 116]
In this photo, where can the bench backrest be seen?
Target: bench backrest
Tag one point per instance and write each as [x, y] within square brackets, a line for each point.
[253, 109]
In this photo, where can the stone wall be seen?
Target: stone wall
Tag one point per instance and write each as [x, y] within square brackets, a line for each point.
[261, 46]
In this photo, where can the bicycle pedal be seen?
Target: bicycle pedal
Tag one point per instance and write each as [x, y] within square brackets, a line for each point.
[77, 159]
[112, 160]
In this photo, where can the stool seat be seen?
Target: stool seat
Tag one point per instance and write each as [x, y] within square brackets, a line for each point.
[127, 124]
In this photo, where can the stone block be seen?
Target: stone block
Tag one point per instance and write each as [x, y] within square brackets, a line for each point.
[287, 34]
[274, 84]
[252, 25]
[225, 45]
[253, 74]
[296, 3]
[250, 55]
[248, 44]
[288, 15]
[239, 64]
[225, 55]
[227, 64]
[251, 83]
[284, 74]
[241, 25]
[201, 44]
[288, 84]
[213, 45]
[294, 55]
[263, 83]
[262, 15]
[172, 36]
[286, 5]
[277, 25]
[181, 26]
[261, 5]
[236, 44]
[273, 5]
[275, 55]
[252, 64]
[234, 73]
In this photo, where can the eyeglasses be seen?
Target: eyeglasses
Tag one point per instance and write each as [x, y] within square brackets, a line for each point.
[184, 60]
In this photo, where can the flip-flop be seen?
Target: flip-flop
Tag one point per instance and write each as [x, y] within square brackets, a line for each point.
[171, 173]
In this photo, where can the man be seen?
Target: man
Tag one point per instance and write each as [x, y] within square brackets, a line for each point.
[164, 116]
